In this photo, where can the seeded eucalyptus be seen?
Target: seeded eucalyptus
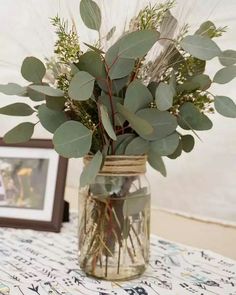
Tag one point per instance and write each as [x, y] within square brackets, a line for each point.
[102, 94]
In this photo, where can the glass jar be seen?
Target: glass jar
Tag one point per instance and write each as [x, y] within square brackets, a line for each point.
[114, 220]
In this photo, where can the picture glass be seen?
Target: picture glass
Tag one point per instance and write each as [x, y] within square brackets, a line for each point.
[27, 182]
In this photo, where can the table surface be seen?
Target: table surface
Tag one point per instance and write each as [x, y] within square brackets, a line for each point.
[39, 263]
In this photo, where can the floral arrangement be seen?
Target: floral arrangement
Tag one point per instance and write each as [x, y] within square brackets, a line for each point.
[127, 100]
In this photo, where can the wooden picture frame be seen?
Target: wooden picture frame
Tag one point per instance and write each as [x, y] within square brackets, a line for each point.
[14, 215]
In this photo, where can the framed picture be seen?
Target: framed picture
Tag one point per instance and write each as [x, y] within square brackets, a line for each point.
[32, 185]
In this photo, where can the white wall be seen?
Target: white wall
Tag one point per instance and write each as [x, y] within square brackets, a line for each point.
[201, 183]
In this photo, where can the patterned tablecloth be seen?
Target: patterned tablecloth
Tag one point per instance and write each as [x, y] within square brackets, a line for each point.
[39, 263]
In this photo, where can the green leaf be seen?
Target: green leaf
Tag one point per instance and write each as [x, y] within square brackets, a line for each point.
[121, 68]
[91, 170]
[72, 140]
[55, 103]
[177, 153]
[107, 123]
[136, 202]
[200, 47]
[105, 100]
[137, 96]
[188, 142]
[81, 86]
[155, 160]
[34, 95]
[137, 44]
[191, 117]
[138, 146]
[225, 106]
[152, 87]
[47, 90]
[163, 123]
[164, 96]
[19, 134]
[203, 81]
[206, 29]
[50, 119]
[225, 75]
[92, 63]
[99, 51]
[122, 142]
[118, 67]
[17, 109]
[141, 126]
[165, 146]
[33, 70]
[110, 33]
[90, 14]
[12, 89]
[228, 58]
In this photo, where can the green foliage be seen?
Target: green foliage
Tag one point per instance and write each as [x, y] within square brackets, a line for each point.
[81, 86]
[127, 99]
[51, 119]
[19, 134]
[225, 106]
[200, 47]
[151, 17]
[17, 109]
[12, 89]
[67, 47]
[163, 123]
[137, 97]
[33, 70]
[91, 170]
[90, 14]
[72, 140]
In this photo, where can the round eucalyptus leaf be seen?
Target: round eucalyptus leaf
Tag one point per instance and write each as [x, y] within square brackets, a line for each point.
[91, 170]
[138, 146]
[163, 123]
[81, 86]
[19, 134]
[72, 140]
[17, 109]
[33, 70]
[137, 96]
[200, 47]
[92, 63]
[34, 95]
[137, 44]
[90, 14]
[203, 81]
[191, 118]
[225, 106]
[12, 89]
[156, 161]
[152, 87]
[206, 29]
[164, 97]
[122, 142]
[225, 75]
[165, 146]
[47, 90]
[177, 153]
[140, 125]
[106, 122]
[188, 142]
[228, 58]
[55, 103]
[50, 119]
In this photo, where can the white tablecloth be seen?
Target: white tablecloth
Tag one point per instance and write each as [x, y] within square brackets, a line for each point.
[39, 263]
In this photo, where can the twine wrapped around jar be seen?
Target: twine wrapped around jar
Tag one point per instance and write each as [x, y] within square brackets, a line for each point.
[121, 165]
